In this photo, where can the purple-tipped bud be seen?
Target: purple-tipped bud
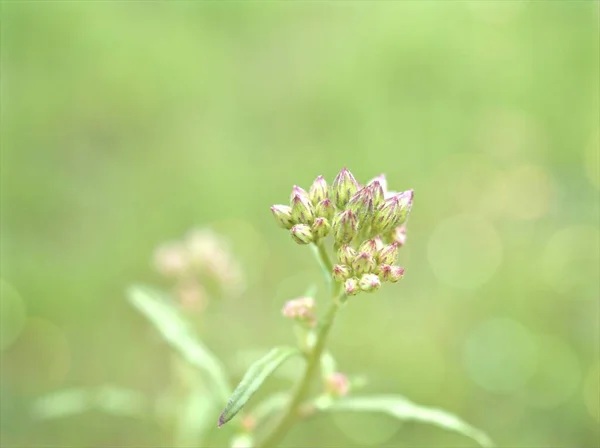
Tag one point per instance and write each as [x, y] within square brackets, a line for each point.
[345, 227]
[283, 216]
[362, 204]
[351, 286]
[389, 254]
[321, 228]
[343, 188]
[325, 209]
[405, 199]
[318, 190]
[337, 384]
[398, 235]
[301, 310]
[377, 193]
[302, 234]
[370, 247]
[382, 181]
[346, 255]
[299, 191]
[385, 272]
[341, 273]
[302, 210]
[369, 283]
[364, 263]
[396, 274]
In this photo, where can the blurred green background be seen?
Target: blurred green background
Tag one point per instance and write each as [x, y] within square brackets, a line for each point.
[124, 124]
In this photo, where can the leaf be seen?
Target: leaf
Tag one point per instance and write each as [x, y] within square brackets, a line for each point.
[194, 422]
[119, 401]
[403, 409]
[253, 379]
[178, 333]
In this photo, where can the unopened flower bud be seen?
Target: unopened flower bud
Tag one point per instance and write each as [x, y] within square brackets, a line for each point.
[321, 228]
[283, 215]
[369, 282]
[405, 199]
[299, 191]
[363, 263]
[385, 272]
[345, 227]
[392, 212]
[301, 310]
[346, 255]
[361, 203]
[377, 193]
[382, 181]
[351, 286]
[337, 384]
[389, 254]
[341, 272]
[302, 234]
[396, 274]
[325, 209]
[302, 209]
[398, 235]
[370, 247]
[318, 190]
[343, 188]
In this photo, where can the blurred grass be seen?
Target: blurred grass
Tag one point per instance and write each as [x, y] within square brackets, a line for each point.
[125, 124]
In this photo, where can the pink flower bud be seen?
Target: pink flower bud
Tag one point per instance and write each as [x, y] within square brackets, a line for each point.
[363, 263]
[340, 273]
[301, 310]
[343, 188]
[321, 228]
[346, 255]
[318, 190]
[377, 193]
[396, 274]
[389, 254]
[172, 260]
[302, 210]
[283, 216]
[382, 182]
[299, 191]
[399, 235]
[345, 227]
[351, 286]
[302, 234]
[384, 271]
[325, 209]
[369, 282]
[370, 247]
[362, 204]
[337, 384]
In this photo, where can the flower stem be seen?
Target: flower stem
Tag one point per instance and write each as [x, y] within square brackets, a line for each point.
[313, 360]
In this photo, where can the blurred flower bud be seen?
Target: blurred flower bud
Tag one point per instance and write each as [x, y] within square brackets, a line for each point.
[345, 226]
[325, 209]
[385, 272]
[396, 274]
[337, 384]
[343, 188]
[377, 193]
[341, 273]
[369, 282]
[346, 255]
[364, 263]
[321, 228]
[398, 235]
[389, 254]
[191, 295]
[351, 286]
[318, 190]
[382, 182]
[302, 234]
[248, 423]
[283, 215]
[172, 260]
[370, 247]
[302, 209]
[301, 310]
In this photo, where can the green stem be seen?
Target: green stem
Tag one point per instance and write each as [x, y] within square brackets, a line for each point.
[313, 361]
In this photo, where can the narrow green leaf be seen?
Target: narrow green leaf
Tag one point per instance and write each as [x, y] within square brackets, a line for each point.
[178, 333]
[403, 409]
[253, 379]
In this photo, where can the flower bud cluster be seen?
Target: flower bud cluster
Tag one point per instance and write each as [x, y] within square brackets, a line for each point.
[367, 223]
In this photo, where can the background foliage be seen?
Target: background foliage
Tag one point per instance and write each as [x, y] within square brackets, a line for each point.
[125, 124]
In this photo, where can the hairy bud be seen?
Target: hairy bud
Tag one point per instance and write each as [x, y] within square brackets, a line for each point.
[345, 227]
[371, 246]
[405, 199]
[351, 286]
[346, 255]
[302, 209]
[318, 190]
[325, 209]
[381, 180]
[377, 193]
[283, 215]
[343, 188]
[337, 384]
[389, 254]
[385, 272]
[364, 263]
[392, 212]
[369, 283]
[299, 191]
[396, 274]
[321, 228]
[362, 204]
[301, 310]
[341, 273]
[302, 234]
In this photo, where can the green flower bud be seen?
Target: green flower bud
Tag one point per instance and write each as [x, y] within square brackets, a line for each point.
[385, 272]
[345, 227]
[283, 215]
[343, 188]
[389, 254]
[351, 286]
[318, 190]
[321, 228]
[377, 192]
[346, 255]
[382, 182]
[369, 283]
[299, 191]
[362, 205]
[325, 209]
[340, 273]
[364, 263]
[389, 214]
[396, 274]
[370, 247]
[302, 234]
[302, 209]
[405, 199]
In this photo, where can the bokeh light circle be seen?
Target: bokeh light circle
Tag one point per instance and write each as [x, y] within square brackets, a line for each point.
[500, 355]
[558, 374]
[12, 314]
[465, 251]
